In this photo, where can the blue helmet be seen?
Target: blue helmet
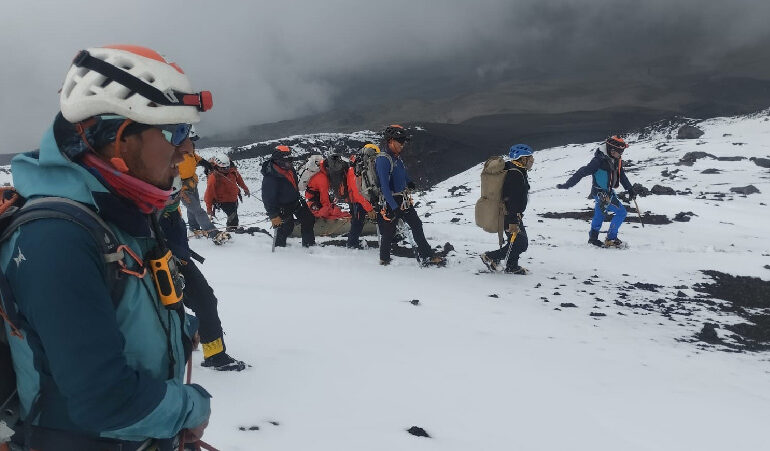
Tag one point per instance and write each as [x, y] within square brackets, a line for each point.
[519, 150]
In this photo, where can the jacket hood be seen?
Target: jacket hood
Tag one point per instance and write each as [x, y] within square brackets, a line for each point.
[49, 173]
[269, 170]
[267, 167]
[601, 152]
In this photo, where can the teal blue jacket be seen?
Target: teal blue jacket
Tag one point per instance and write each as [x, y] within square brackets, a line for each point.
[607, 174]
[99, 369]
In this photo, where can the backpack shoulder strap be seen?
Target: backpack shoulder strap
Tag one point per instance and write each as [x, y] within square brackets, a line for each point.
[58, 208]
[80, 214]
[390, 160]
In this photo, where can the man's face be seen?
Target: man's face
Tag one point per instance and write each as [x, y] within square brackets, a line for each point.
[615, 154]
[152, 159]
[527, 161]
[396, 146]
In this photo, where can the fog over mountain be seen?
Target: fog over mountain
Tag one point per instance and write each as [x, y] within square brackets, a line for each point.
[269, 61]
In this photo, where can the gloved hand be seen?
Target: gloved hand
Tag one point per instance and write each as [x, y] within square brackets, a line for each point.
[632, 195]
[410, 184]
[604, 199]
[248, 193]
[194, 435]
[371, 214]
[276, 222]
[514, 229]
[561, 186]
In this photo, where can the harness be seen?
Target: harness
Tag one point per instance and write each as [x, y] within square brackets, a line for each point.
[613, 174]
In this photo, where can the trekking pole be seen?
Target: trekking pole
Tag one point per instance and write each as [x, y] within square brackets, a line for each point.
[200, 443]
[638, 212]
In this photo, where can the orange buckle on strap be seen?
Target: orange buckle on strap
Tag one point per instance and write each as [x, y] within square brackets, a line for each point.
[132, 254]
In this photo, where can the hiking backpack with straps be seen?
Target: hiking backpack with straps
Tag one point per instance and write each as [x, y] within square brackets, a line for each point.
[311, 167]
[365, 170]
[16, 211]
[490, 208]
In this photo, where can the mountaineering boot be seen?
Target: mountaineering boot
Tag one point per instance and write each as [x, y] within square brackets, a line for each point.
[223, 362]
[215, 357]
[520, 270]
[593, 238]
[198, 233]
[433, 261]
[613, 243]
[385, 262]
[221, 238]
[489, 262]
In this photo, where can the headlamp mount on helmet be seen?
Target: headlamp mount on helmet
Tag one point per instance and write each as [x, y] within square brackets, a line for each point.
[201, 100]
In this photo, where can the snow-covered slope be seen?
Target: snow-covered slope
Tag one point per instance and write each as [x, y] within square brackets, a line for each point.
[595, 350]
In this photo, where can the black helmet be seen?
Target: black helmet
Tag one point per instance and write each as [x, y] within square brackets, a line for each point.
[396, 132]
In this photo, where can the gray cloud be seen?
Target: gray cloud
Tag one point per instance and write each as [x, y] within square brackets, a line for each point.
[267, 61]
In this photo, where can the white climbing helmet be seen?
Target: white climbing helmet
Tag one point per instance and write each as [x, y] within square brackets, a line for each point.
[130, 81]
[222, 160]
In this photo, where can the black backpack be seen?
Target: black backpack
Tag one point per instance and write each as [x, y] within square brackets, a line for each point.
[14, 212]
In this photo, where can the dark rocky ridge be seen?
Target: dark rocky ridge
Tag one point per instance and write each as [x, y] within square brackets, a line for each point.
[438, 151]
[465, 129]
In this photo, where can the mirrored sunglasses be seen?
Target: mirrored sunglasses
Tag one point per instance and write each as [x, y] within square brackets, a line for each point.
[175, 133]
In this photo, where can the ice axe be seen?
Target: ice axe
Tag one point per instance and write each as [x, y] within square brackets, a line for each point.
[510, 246]
[275, 238]
[406, 232]
[638, 212]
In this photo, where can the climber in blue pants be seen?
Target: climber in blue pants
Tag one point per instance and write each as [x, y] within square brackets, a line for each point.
[606, 169]
[619, 215]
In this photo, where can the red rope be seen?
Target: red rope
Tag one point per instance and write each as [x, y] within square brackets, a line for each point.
[200, 443]
[204, 445]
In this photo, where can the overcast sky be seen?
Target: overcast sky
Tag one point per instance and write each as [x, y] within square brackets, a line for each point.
[267, 61]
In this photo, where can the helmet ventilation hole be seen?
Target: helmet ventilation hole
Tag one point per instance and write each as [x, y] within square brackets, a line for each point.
[148, 78]
[68, 88]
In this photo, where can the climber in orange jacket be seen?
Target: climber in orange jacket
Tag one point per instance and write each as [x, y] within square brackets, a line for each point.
[360, 208]
[317, 196]
[223, 190]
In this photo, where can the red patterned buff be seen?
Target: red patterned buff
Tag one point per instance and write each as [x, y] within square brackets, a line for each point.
[146, 197]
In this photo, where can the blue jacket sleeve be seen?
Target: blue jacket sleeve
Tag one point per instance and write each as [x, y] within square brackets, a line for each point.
[270, 196]
[382, 165]
[585, 171]
[73, 315]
